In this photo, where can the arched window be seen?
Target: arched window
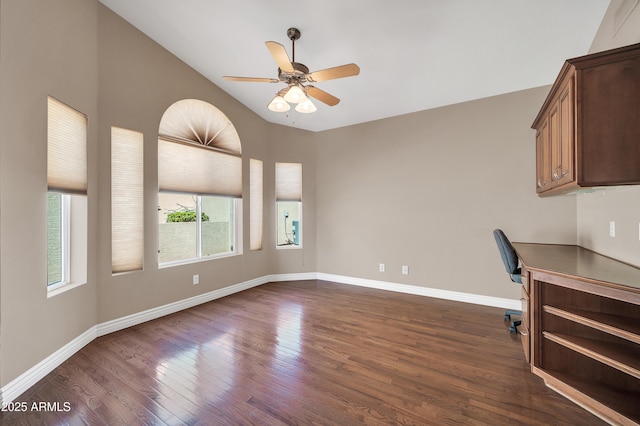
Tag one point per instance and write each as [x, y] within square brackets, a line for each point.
[200, 183]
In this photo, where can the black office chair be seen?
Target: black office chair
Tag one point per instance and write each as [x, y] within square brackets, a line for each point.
[511, 264]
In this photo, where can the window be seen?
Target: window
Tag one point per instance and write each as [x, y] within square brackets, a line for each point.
[127, 200]
[57, 239]
[195, 227]
[255, 204]
[289, 204]
[66, 197]
[200, 183]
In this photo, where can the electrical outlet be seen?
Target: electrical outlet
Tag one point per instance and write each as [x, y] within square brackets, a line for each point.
[405, 270]
[381, 267]
[196, 279]
[612, 228]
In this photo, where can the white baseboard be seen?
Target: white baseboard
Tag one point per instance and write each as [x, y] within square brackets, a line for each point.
[16, 387]
[294, 277]
[23, 382]
[151, 314]
[476, 299]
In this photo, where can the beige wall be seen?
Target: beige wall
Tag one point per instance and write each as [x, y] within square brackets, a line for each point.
[622, 205]
[427, 189]
[45, 51]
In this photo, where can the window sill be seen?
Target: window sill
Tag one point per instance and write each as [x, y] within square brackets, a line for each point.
[59, 289]
[289, 247]
[190, 261]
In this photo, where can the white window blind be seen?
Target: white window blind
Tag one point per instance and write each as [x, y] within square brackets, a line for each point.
[127, 200]
[188, 168]
[288, 182]
[66, 148]
[255, 203]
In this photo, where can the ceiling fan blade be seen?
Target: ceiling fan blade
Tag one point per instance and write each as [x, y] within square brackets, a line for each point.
[342, 71]
[322, 96]
[280, 55]
[251, 79]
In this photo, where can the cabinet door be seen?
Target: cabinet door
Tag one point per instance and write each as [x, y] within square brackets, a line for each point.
[554, 142]
[543, 158]
[562, 137]
[563, 166]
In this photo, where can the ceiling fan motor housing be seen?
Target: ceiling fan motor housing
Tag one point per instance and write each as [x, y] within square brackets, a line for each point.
[297, 76]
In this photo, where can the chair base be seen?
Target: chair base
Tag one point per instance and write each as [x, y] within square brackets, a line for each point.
[514, 324]
[508, 313]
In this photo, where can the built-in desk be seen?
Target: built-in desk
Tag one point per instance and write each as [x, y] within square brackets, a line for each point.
[581, 321]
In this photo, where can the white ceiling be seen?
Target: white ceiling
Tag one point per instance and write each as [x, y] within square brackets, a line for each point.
[413, 54]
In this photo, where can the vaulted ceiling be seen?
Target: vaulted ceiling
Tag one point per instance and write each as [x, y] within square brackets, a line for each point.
[413, 54]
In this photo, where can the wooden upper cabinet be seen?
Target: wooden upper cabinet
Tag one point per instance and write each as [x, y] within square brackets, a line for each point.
[588, 129]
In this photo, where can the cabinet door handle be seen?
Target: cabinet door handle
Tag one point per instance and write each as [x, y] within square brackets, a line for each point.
[555, 173]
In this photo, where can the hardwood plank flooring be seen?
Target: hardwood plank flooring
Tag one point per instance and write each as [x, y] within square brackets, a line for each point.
[304, 353]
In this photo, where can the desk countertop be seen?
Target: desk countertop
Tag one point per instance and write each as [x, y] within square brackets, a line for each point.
[578, 262]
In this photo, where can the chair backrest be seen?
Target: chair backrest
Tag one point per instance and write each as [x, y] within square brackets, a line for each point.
[507, 252]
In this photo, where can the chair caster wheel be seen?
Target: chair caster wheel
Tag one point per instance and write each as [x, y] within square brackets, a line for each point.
[513, 329]
[507, 317]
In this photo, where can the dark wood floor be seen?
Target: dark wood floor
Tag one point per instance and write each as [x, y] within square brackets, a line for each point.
[305, 352]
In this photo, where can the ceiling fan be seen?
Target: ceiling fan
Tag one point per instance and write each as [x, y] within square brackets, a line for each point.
[297, 77]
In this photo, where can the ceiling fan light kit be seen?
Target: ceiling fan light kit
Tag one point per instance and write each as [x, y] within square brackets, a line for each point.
[306, 107]
[278, 104]
[295, 74]
[295, 95]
